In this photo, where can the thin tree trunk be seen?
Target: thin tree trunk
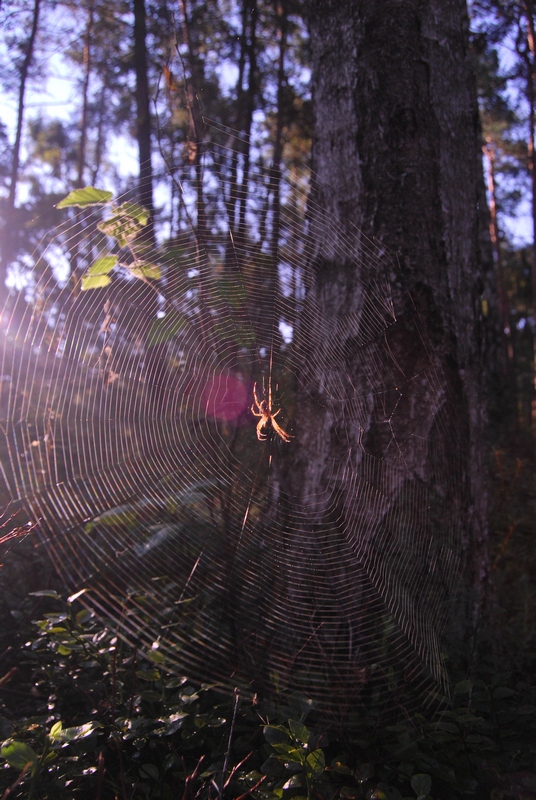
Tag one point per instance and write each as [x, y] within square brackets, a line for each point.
[239, 114]
[281, 12]
[249, 108]
[504, 307]
[143, 128]
[79, 231]
[15, 164]
[84, 120]
[100, 134]
[530, 59]
[195, 143]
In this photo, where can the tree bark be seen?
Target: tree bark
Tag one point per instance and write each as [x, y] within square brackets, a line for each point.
[249, 107]
[489, 151]
[143, 128]
[275, 178]
[529, 56]
[195, 139]
[15, 164]
[84, 119]
[389, 452]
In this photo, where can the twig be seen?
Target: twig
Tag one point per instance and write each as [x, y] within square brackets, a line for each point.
[506, 539]
[241, 797]
[228, 753]
[9, 674]
[131, 704]
[17, 782]
[235, 769]
[191, 777]
[101, 769]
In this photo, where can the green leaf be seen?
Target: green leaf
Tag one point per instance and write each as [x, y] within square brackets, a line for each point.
[18, 754]
[463, 687]
[76, 733]
[421, 784]
[125, 223]
[134, 211]
[296, 782]
[340, 768]
[299, 731]
[385, 792]
[232, 291]
[174, 722]
[165, 328]
[174, 683]
[271, 767]
[56, 729]
[76, 595]
[364, 772]
[120, 516]
[446, 726]
[502, 692]
[85, 197]
[275, 734]
[148, 675]
[95, 281]
[83, 616]
[102, 266]
[46, 593]
[350, 793]
[316, 763]
[142, 269]
[156, 657]
[288, 752]
[149, 771]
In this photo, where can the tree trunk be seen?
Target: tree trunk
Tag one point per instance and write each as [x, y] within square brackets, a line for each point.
[530, 62]
[502, 294]
[143, 128]
[84, 119]
[275, 178]
[389, 452]
[195, 138]
[249, 108]
[7, 250]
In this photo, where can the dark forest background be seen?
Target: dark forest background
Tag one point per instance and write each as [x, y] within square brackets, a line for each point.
[203, 114]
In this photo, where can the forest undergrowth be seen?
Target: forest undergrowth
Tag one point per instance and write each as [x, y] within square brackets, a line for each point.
[84, 715]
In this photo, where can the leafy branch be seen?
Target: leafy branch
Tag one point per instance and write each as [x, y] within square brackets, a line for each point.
[123, 224]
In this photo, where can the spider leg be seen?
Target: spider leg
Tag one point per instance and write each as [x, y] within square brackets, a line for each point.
[257, 402]
[278, 429]
[276, 413]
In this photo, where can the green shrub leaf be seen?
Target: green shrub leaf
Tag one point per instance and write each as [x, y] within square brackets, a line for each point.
[421, 784]
[95, 281]
[364, 772]
[102, 266]
[502, 692]
[299, 731]
[142, 269]
[85, 197]
[316, 763]
[76, 733]
[18, 754]
[165, 328]
[463, 687]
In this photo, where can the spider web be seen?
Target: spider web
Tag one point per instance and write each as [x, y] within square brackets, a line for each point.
[129, 436]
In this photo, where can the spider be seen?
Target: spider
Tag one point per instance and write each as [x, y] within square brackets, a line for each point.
[263, 409]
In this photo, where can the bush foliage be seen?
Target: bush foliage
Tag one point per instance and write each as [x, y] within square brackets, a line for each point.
[85, 716]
